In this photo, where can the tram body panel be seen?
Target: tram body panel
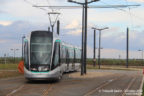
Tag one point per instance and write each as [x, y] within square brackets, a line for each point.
[46, 57]
[54, 74]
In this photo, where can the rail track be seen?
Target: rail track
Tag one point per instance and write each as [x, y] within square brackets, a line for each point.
[93, 88]
[128, 86]
[107, 83]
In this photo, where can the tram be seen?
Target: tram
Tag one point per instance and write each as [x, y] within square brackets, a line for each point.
[47, 57]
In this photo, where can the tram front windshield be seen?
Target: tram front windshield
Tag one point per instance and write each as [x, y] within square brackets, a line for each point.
[41, 49]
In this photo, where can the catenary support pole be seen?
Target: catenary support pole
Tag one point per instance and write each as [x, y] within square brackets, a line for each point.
[99, 61]
[82, 52]
[94, 57]
[85, 41]
[127, 52]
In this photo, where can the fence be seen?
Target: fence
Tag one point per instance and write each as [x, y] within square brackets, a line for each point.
[10, 60]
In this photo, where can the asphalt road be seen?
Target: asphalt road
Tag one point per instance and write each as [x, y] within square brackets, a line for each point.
[119, 83]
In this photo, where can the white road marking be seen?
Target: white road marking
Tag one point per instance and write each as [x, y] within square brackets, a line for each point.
[14, 91]
[141, 86]
[9, 78]
[110, 80]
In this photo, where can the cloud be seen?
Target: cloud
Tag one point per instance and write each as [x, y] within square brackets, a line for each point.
[113, 38]
[136, 0]
[5, 23]
[27, 12]
[113, 53]
[1, 12]
[75, 32]
[3, 41]
[72, 25]
[11, 35]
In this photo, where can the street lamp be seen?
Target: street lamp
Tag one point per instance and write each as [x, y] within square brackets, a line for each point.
[94, 55]
[99, 52]
[14, 52]
[142, 55]
[127, 48]
[5, 56]
[84, 32]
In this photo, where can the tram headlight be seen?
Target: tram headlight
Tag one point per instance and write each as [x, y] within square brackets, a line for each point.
[43, 69]
[33, 69]
[40, 69]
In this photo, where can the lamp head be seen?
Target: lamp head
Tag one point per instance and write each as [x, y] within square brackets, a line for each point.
[93, 28]
[24, 36]
[70, 0]
[106, 28]
[95, 0]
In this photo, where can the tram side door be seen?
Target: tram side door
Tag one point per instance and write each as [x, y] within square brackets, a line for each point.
[26, 54]
[74, 60]
[67, 58]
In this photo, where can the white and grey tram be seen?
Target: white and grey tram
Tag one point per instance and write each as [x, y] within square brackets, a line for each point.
[47, 57]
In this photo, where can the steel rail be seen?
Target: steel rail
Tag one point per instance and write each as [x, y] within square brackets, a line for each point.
[103, 85]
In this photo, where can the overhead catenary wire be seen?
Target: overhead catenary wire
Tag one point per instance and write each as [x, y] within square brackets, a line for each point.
[75, 7]
[118, 7]
[52, 9]
[35, 5]
[49, 4]
[53, 12]
[114, 8]
[92, 6]
[132, 15]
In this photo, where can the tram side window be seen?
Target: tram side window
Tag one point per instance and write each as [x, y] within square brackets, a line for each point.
[61, 53]
[71, 55]
[64, 54]
[74, 56]
[26, 56]
[56, 54]
[78, 55]
[67, 56]
[72, 52]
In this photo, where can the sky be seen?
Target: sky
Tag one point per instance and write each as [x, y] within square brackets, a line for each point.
[19, 17]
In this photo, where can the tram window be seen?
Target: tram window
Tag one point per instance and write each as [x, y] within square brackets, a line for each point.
[41, 48]
[74, 56]
[67, 56]
[61, 52]
[56, 55]
[78, 55]
[71, 55]
[64, 54]
[26, 56]
[69, 51]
